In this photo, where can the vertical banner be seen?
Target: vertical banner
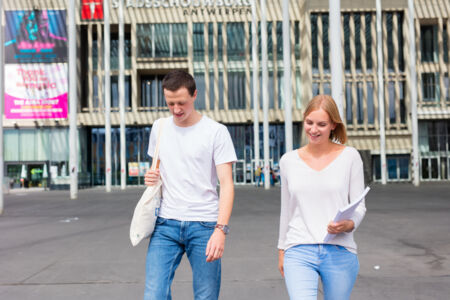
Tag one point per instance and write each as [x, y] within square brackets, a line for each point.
[35, 64]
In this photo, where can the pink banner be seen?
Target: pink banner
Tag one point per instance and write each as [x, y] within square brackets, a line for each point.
[52, 108]
[36, 91]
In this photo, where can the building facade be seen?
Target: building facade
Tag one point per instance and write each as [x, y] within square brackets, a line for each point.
[212, 40]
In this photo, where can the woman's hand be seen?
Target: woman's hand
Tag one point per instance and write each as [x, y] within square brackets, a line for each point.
[340, 227]
[281, 262]
[151, 177]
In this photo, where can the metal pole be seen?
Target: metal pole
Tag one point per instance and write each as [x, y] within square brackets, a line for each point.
[107, 91]
[2, 97]
[265, 95]
[123, 162]
[287, 77]
[73, 131]
[255, 76]
[381, 94]
[412, 70]
[336, 50]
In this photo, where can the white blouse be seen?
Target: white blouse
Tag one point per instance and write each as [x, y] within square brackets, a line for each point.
[310, 199]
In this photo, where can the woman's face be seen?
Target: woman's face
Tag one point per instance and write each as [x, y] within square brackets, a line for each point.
[318, 126]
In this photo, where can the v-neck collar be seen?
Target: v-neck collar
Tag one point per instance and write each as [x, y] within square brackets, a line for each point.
[324, 168]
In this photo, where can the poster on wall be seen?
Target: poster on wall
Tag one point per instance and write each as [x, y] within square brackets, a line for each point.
[35, 36]
[36, 91]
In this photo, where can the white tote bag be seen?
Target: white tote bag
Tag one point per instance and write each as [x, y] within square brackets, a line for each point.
[146, 210]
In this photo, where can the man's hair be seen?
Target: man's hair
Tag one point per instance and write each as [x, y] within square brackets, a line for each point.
[177, 79]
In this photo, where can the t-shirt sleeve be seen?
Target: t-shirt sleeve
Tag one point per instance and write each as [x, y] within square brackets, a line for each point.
[284, 210]
[356, 188]
[223, 147]
[152, 140]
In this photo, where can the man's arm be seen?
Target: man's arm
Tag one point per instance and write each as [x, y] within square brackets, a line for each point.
[216, 243]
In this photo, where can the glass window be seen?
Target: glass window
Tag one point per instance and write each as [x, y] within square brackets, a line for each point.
[401, 61]
[11, 144]
[428, 86]
[428, 43]
[179, 44]
[358, 47]
[211, 91]
[369, 45]
[370, 107]
[360, 99]
[297, 39]
[151, 92]
[115, 91]
[95, 90]
[279, 40]
[376, 165]
[211, 41]
[144, 40]
[235, 41]
[162, 40]
[221, 104]
[314, 44]
[94, 52]
[348, 103]
[391, 168]
[236, 90]
[201, 90]
[403, 164]
[298, 89]
[219, 41]
[434, 168]
[115, 51]
[280, 89]
[198, 42]
[389, 41]
[315, 88]
[425, 168]
[446, 45]
[59, 144]
[270, 49]
[325, 43]
[391, 94]
[402, 102]
[347, 41]
[446, 87]
[327, 88]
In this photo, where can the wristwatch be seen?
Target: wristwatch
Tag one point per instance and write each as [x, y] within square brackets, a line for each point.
[225, 229]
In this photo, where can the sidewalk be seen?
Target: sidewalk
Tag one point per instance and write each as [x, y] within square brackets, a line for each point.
[55, 248]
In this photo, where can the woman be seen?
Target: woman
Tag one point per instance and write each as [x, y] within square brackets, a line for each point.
[317, 180]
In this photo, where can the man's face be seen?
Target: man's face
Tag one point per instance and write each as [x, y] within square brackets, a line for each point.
[181, 105]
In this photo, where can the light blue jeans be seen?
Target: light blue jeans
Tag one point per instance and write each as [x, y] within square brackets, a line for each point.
[170, 240]
[337, 267]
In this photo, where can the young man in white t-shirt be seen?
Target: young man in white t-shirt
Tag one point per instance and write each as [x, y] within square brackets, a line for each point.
[194, 152]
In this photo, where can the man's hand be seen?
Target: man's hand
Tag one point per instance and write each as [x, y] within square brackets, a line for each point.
[340, 227]
[151, 177]
[215, 246]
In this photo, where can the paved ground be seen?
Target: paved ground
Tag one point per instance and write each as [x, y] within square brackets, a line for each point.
[55, 248]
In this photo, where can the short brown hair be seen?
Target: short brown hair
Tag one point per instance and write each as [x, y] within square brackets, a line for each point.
[327, 104]
[177, 79]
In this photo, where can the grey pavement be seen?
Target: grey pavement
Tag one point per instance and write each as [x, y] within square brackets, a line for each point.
[55, 248]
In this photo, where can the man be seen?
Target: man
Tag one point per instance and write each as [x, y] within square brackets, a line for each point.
[195, 151]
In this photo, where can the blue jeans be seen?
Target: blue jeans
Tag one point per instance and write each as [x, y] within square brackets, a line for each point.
[170, 240]
[337, 267]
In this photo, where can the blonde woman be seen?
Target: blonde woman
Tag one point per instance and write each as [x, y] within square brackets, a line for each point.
[317, 180]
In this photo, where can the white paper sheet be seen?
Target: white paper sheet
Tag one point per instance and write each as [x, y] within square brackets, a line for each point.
[346, 213]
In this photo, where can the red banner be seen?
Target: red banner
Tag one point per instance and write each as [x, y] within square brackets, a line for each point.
[91, 10]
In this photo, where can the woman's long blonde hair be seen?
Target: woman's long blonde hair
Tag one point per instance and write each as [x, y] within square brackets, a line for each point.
[327, 103]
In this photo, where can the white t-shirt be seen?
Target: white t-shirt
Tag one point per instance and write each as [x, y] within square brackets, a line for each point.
[188, 159]
[310, 199]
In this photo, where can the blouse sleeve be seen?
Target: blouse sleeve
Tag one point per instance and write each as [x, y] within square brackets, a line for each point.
[356, 188]
[284, 214]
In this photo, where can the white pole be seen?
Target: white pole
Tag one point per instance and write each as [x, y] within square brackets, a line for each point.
[73, 131]
[255, 77]
[412, 70]
[336, 50]
[381, 94]
[123, 174]
[287, 77]
[265, 95]
[107, 92]
[2, 95]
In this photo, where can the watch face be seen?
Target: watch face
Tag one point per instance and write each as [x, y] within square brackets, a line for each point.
[226, 229]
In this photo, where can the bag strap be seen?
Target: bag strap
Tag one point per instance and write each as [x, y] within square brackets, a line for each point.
[155, 161]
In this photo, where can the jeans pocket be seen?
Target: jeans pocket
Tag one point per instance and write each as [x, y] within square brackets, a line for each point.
[160, 221]
[341, 248]
[209, 225]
